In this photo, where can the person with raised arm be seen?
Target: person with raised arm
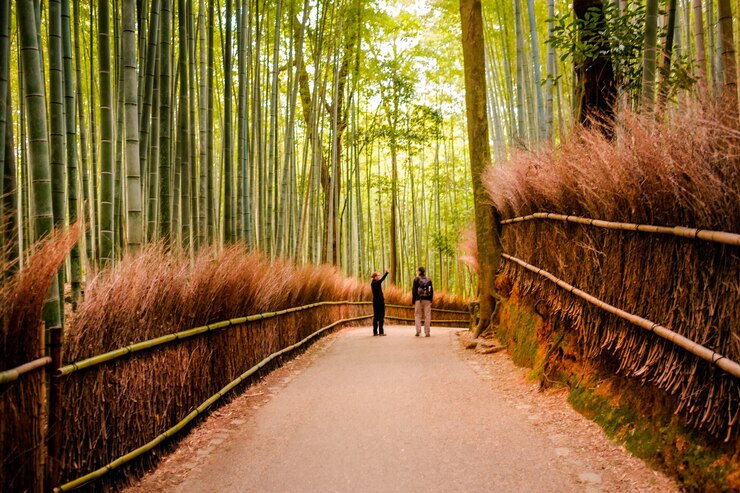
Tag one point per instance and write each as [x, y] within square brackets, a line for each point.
[378, 302]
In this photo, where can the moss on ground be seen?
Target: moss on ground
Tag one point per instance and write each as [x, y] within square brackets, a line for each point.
[633, 414]
[659, 440]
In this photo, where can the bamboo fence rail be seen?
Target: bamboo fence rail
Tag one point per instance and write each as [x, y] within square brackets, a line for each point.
[197, 411]
[14, 374]
[680, 231]
[729, 366]
[185, 334]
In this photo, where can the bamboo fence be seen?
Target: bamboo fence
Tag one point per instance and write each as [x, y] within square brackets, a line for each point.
[679, 231]
[14, 374]
[706, 354]
[174, 375]
[685, 278]
[81, 481]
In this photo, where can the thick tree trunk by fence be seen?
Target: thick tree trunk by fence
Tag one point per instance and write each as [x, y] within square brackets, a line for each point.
[489, 243]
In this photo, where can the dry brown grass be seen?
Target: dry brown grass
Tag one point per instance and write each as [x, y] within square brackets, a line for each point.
[22, 298]
[681, 171]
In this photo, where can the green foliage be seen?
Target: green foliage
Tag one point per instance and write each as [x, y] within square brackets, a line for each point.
[620, 37]
[445, 244]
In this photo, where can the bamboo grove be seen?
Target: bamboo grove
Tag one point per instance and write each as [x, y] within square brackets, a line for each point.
[319, 131]
[551, 64]
[300, 129]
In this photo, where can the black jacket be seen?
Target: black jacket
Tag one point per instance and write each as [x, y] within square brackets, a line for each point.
[377, 289]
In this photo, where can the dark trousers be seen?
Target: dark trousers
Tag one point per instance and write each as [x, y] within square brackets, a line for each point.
[378, 316]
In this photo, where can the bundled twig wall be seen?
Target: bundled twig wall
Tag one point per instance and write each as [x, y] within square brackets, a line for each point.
[681, 172]
[111, 409]
[22, 297]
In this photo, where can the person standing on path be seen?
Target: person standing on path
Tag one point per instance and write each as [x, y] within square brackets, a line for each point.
[378, 303]
[422, 294]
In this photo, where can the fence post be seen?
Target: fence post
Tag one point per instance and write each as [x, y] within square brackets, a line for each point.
[53, 437]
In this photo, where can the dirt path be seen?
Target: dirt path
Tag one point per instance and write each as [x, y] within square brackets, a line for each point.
[399, 413]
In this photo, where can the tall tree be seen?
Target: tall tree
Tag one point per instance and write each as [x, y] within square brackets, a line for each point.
[145, 121]
[729, 66]
[38, 148]
[165, 123]
[9, 202]
[541, 131]
[701, 66]
[649, 54]
[489, 244]
[71, 147]
[229, 229]
[134, 224]
[667, 54]
[595, 87]
[107, 155]
[203, 122]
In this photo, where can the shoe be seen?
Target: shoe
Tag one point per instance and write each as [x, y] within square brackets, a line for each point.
[382, 334]
[427, 335]
[417, 334]
[375, 335]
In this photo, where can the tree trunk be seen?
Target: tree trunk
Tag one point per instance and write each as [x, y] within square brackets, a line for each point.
[649, 56]
[145, 120]
[9, 191]
[229, 231]
[134, 225]
[56, 117]
[596, 93]
[165, 112]
[667, 55]
[394, 213]
[38, 148]
[489, 244]
[541, 131]
[107, 154]
[701, 64]
[211, 218]
[550, 73]
[729, 71]
[183, 129]
[203, 130]
[521, 135]
[71, 147]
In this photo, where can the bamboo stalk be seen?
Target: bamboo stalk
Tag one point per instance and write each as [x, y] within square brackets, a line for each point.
[13, 374]
[704, 353]
[680, 231]
[199, 410]
[178, 336]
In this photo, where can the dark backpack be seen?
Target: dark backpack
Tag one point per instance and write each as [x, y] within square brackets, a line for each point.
[424, 288]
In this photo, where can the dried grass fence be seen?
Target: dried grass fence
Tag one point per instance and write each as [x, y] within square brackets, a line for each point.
[119, 395]
[682, 171]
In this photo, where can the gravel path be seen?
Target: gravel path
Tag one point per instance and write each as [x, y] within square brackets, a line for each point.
[399, 413]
